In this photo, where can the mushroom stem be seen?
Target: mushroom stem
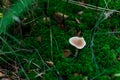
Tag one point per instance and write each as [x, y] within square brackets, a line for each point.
[76, 53]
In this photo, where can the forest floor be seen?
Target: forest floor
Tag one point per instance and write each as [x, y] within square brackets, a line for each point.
[34, 40]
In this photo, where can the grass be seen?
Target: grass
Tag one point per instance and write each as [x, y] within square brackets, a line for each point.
[27, 42]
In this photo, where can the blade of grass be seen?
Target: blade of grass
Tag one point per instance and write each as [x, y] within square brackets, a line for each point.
[10, 48]
[16, 10]
[88, 6]
[92, 36]
[12, 37]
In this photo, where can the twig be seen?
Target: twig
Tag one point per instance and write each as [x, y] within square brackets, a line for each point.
[88, 6]
[57, 73]
[3, 53]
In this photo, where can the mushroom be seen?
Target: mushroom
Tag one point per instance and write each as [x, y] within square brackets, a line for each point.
[77, 42]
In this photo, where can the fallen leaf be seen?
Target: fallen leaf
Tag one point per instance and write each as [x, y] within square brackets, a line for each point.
[6, 3]
[39, 39]
[80, 12]
[77, 33]
[108, 14]
[50, 63]
[66, 52]
[2, 74]
[46, 19]
[118, 58]
[5, 79]
[76, 74]
[61, 26]
[59, 17]
[77, 20]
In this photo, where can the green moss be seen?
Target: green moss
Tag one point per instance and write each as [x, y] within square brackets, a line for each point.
[54, 40]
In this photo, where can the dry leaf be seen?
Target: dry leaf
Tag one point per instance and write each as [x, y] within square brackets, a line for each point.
[50, 63]
[118, 58]
[6, 3]
[46, 19]
[77, 20]
[39, 39]
[2, 74]
[61, 26]
[108, 14]
[77, 33]
[80, 12]
[59, 17]
[5, 79]
[76, 74]
[66, 52]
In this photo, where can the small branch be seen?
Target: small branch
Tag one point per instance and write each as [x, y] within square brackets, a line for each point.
[88, 6]
[3, 53]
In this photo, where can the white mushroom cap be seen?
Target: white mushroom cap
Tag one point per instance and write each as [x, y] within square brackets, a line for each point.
[77, 42]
